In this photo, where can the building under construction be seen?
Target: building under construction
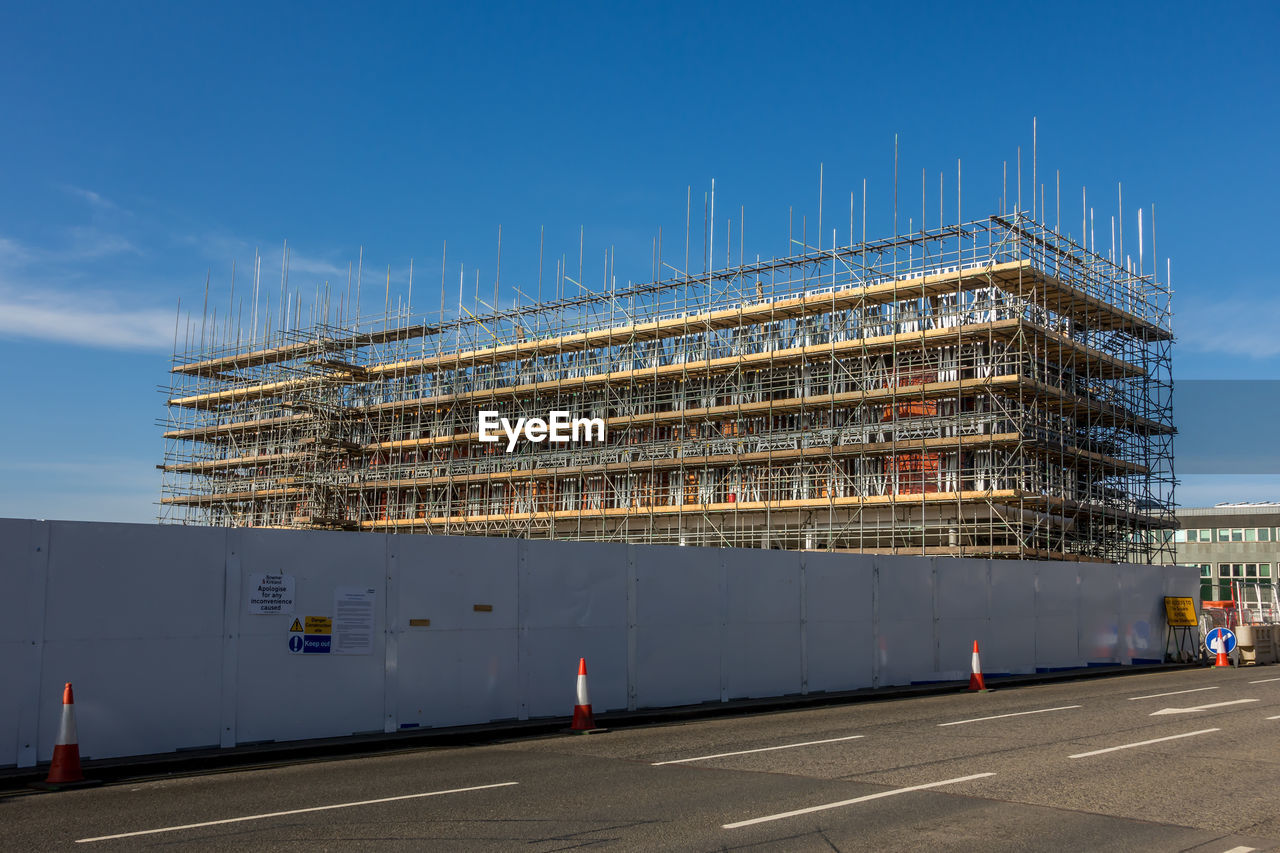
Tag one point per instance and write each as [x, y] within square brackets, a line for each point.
[988, 389]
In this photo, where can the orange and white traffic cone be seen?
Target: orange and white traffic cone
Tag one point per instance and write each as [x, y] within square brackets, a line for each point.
[976, 684]
[1222, 659]
[583, 721]
[64, 771]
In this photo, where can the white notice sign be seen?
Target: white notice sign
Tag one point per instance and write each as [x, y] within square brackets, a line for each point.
[270, 593]
[353, 620]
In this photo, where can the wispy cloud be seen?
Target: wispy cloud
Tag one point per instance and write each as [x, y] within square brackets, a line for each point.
[221, 247]
[81, 243]
[314, 266]
[1232, 327]
[216, 246]
[90, 243]
[90, 320]
[92, 198]
[13, 253]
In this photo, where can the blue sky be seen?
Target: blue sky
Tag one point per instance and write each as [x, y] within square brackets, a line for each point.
[149, 144]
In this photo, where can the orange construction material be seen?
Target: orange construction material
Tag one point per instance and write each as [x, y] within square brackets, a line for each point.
[916, 472]
[582, 718]
[976, 684]
[65, 768]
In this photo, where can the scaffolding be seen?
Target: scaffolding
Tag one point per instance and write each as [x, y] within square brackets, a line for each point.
[986, 389]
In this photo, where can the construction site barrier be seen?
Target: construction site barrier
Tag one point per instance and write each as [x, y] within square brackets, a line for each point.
[194, 637]
[1257, 644]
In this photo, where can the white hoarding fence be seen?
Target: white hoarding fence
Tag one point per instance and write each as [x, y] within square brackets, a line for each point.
[186, 637]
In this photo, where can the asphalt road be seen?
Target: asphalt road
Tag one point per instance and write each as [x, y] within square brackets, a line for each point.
[1081, 765]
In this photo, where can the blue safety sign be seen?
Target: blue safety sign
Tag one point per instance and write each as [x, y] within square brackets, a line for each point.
[1221, 640]
[295, 643]
[316, 644]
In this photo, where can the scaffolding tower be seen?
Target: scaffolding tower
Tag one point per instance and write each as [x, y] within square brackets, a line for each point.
[987, 389]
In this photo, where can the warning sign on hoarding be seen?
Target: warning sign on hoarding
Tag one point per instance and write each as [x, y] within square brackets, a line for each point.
[319, 625]
[1180, 612]
[316, 644]
[316, 637]
[270, 593]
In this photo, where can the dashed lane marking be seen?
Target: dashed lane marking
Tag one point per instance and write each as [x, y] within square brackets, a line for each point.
[761, 749]
[1002, 716]
[292, 811]
[842, 803]
[1200, 707]
[1174, 693]
[1142, 743]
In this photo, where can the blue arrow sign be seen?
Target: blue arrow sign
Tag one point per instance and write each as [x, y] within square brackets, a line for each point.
[1221, 639]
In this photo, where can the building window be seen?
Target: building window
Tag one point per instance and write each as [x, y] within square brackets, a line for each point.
[1179, 536]
[1224, 534]
[1251, 534]
[1237, 535]
[1264, 534]
[1250, 572]
[1206, 535]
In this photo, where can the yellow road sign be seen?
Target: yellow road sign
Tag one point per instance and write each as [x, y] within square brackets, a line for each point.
[1180, 612]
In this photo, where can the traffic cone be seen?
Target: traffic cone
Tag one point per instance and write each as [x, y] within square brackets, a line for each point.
[1222, 659]
[583, 721]
[976, 684]
[64, 771]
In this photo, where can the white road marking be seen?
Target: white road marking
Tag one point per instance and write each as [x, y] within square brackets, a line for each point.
[1277, 717]
[1142, 743]
[292, 811]
[1199, 707]
[826, 806]
[762, 749]
[1002, 716]
[1174, 693]
[1240, 850]
[1263, 681]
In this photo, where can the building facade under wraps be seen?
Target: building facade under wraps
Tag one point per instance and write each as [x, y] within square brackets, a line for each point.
[990, 389]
